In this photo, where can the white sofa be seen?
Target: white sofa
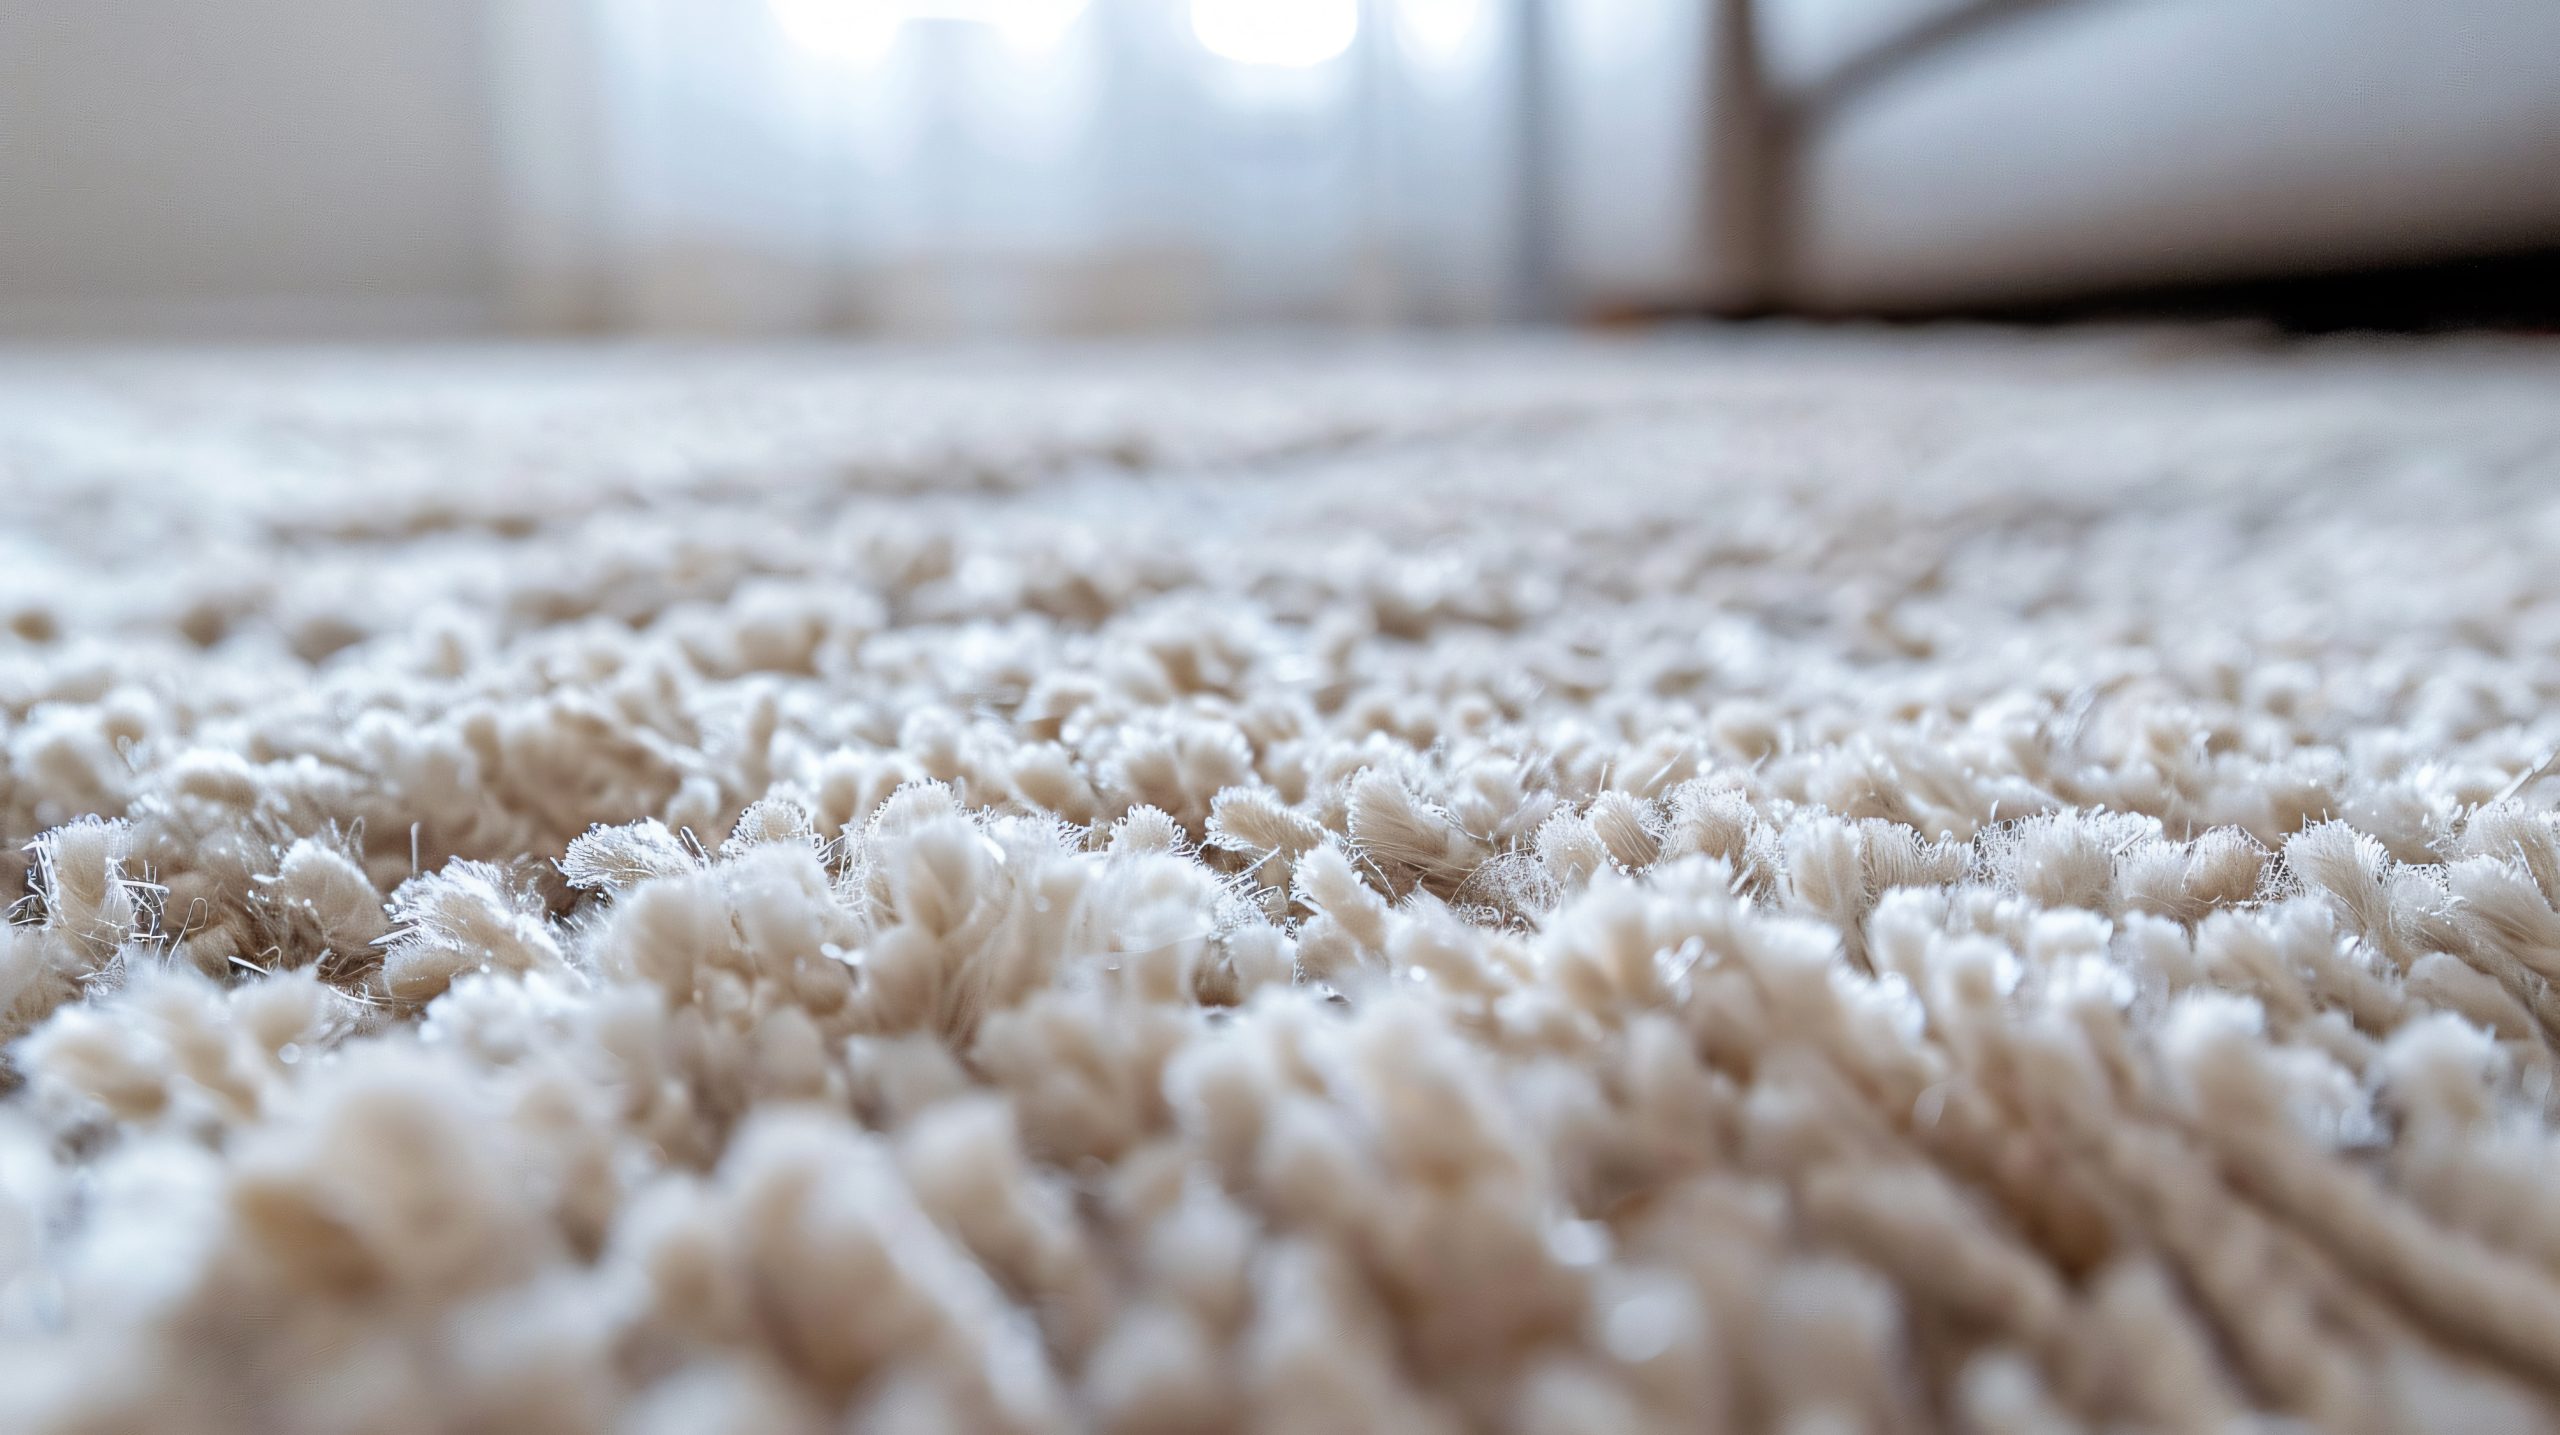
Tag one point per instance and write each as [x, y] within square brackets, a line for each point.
[1910, 155]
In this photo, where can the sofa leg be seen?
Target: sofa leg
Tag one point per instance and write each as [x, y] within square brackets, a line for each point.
[1745, 229]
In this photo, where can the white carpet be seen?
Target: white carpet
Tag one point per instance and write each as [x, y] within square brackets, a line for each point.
[1806, 884]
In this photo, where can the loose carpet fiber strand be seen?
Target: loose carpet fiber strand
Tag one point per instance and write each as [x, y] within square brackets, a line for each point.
[1788, 884]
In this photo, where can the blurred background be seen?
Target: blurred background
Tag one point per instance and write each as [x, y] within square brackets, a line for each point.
[437, 168]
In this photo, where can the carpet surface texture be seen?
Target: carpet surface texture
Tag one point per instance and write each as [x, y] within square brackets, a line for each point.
[1806, 884]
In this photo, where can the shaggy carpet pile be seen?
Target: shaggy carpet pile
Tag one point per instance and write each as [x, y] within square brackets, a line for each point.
[1782, 884]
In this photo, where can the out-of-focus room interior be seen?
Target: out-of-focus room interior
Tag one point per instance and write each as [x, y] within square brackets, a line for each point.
[413, 168]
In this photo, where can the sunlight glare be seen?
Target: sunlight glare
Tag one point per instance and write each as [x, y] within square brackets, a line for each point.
[1288, 33]
[1440, 31]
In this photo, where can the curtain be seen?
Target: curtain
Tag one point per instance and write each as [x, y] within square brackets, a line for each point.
[942, 167]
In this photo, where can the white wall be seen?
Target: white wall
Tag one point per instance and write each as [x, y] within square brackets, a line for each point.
[246, 167]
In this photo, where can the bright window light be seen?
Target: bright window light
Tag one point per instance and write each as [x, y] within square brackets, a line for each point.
[865, 29]
[1292, 33]
[1440, 30]
[838, 29]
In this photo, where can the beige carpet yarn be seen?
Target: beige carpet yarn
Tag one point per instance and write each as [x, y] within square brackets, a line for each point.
[1807, 883]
